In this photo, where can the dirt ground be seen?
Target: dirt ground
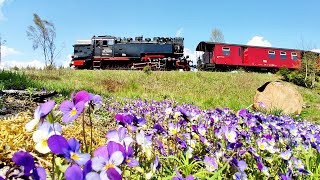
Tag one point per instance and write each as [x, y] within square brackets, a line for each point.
[11, 106]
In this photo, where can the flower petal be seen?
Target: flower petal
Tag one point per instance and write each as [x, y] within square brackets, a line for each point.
[114, 174]
[98, 163]
[116, 158]
[24, 159]
[87, 168]
[127, 141]
[132, 162]
[190, 177]
[42, 147]
[83, 158]
[79, 107]
[113, 147]
[122, 133]
[101, 151]
[74, 145]
[40, 135]
[82, 96]
[92, 176]
[31, 124]
[45, 108]
[66, 106]
[113, 135]
[104, 175]
[73, 172]
[58, 144]
[41, 173]
[68, 118]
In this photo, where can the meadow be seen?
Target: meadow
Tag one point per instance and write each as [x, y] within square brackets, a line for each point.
[204, 89]
[163, 125]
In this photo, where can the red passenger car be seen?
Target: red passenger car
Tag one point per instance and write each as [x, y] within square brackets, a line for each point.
[234, 55]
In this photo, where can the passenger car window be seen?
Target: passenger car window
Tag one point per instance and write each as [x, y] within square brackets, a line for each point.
[294, 56]
[226, 51]
[283, 55]
[271, 54]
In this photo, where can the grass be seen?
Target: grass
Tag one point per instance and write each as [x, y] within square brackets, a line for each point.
[204, 89]
[14, 80]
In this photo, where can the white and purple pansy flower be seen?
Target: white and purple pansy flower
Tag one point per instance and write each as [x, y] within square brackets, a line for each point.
[39, 114]
[106, 161]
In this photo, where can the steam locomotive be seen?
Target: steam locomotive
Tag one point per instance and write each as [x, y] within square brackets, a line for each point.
[110, 52]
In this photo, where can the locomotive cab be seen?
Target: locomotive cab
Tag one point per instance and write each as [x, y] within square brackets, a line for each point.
[82, 54]
[103, 45]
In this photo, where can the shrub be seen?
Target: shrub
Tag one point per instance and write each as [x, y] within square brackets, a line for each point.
[147, 70]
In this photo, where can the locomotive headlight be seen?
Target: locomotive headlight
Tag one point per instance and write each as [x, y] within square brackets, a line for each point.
[75, 56]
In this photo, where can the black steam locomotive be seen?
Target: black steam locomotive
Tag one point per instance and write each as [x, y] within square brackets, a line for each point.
[109, 52]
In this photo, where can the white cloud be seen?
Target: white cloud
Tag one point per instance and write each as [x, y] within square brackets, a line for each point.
[316, 50]
[193, 55]
[179, 32]
[259, 41]
[66, 62]
[6, 51]
[2, 18]
[9, 64]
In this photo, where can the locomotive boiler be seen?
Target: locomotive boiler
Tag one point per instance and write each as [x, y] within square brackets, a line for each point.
[109, 52]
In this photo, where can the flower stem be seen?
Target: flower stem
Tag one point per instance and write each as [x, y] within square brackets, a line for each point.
[84, 133]
[53, 166]
[91, 138]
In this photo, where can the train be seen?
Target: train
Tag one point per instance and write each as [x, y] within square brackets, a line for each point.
[165, 53]
[110, 52]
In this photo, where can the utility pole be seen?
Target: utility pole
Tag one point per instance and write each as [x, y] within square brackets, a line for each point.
[1, 43]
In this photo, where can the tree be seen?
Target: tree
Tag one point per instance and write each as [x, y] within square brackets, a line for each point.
[309, 68]
[309, 64]
[307, 74]
[217, 35]
[43, 35]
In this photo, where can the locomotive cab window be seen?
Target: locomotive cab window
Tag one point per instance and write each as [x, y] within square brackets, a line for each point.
[283, 55]
[226, 51]
[105, 43]
[294, 56]
[271, 54]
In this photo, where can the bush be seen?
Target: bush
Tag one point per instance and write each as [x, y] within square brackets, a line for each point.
[147, 70]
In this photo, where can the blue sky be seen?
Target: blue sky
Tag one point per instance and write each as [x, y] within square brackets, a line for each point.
[268, 23]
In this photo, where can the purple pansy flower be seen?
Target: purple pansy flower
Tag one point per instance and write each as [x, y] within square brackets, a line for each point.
[26, 160]
[107, 159]
[72, 109]
[145, 141]
[42, 135]
[287, 176]
[286, 155]
[263, 168]
[39, 114]
[69, 149]
[154, 167]
[96, 101]
[210, 163]
[241, 165]
[173, 129]
[119, 136]
[231, 135]
[129, 160]
[74, 171]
